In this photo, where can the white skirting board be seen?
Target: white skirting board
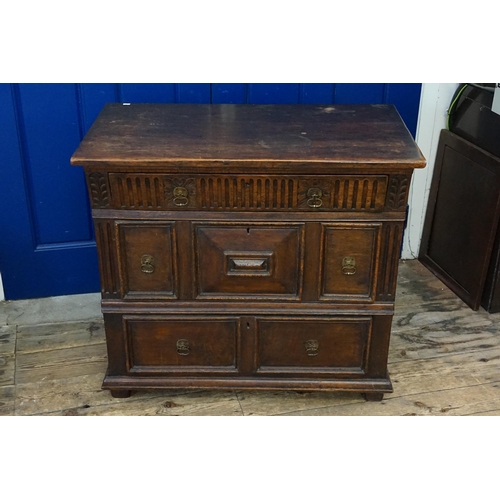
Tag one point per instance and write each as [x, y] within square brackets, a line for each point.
[434, 102]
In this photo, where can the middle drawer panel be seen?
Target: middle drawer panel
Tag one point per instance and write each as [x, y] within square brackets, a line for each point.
[255, 261]
[171, 260]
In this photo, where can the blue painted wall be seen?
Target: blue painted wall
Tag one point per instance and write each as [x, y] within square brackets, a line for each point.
[46, 235]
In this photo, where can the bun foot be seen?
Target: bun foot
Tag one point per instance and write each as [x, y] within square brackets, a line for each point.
[373, 396]
[120, 393]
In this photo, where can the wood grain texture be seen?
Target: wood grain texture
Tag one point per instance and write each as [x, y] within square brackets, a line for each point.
[7, 400]
[63, 335]
[147, 258]
[7, 354]
[391, 237]
[341, 174]
[74, 394]
[299, 346]
[164, 134]
[349, 262]
[444, 360]
[177, 345]
[280, 246]
[53, 364]
[140, 191]
[460, 401]
[108, 266]
[167, 403]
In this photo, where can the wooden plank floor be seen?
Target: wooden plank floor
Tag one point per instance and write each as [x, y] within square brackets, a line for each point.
[444, 360]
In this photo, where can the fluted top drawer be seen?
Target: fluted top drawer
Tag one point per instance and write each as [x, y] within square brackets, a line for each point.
[150, 191]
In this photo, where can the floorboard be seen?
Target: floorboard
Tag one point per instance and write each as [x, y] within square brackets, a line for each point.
[444, 360]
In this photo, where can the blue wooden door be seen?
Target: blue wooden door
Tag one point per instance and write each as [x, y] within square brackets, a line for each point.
[47, 242]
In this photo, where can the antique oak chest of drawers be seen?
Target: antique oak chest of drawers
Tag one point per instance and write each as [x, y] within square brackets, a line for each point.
[246, 246]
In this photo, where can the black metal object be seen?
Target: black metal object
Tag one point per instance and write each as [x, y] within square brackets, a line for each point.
[473, 120]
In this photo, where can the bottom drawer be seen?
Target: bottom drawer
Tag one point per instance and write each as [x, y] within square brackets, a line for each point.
[301, 346]
[235, 351]
[208, 345]
[182, 344]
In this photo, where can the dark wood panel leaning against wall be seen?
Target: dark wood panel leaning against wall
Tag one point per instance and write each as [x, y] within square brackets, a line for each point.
[248, 246]
[460, 239]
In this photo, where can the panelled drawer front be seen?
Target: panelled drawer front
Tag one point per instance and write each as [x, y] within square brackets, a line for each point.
[348, 261]
[182, 344]
[256, 260]
[299, 346]
[140, 191]
[148, 263]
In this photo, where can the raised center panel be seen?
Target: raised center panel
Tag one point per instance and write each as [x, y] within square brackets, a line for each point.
[178, 344]
[148, 264]
[254, 261]
[348, 261]
[303, 345]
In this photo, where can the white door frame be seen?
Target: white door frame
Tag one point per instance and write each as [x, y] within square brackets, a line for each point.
[435, 99]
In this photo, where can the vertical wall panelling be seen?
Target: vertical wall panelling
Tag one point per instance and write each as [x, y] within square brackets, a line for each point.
[229, 93]
[38, 260]
[16, 232]
[93, 96]
[147, 92]
[46, 238]
[406, 98]
[359, 93]
[51, 132]
[273, 93]
[193, 93]
[316, 93]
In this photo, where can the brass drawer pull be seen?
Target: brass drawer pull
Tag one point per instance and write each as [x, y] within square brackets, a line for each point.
[147, 264]
[182, 346]
[181, 196]
[314, 197]
[312, 347]
[349, 265]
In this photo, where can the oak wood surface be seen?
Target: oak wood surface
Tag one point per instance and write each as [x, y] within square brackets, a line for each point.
[278, 247]
[179, 344]
[444, 360]
[148, 134]
[198, 207]
[297, 346]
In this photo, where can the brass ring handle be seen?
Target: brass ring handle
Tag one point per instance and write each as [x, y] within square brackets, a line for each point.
[314, 197]
[181, 196]
[182, 346]
[349, 265]
[147, 264]
[312, 347]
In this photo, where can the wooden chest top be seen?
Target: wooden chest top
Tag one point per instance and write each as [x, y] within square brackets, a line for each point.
[240, 136]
